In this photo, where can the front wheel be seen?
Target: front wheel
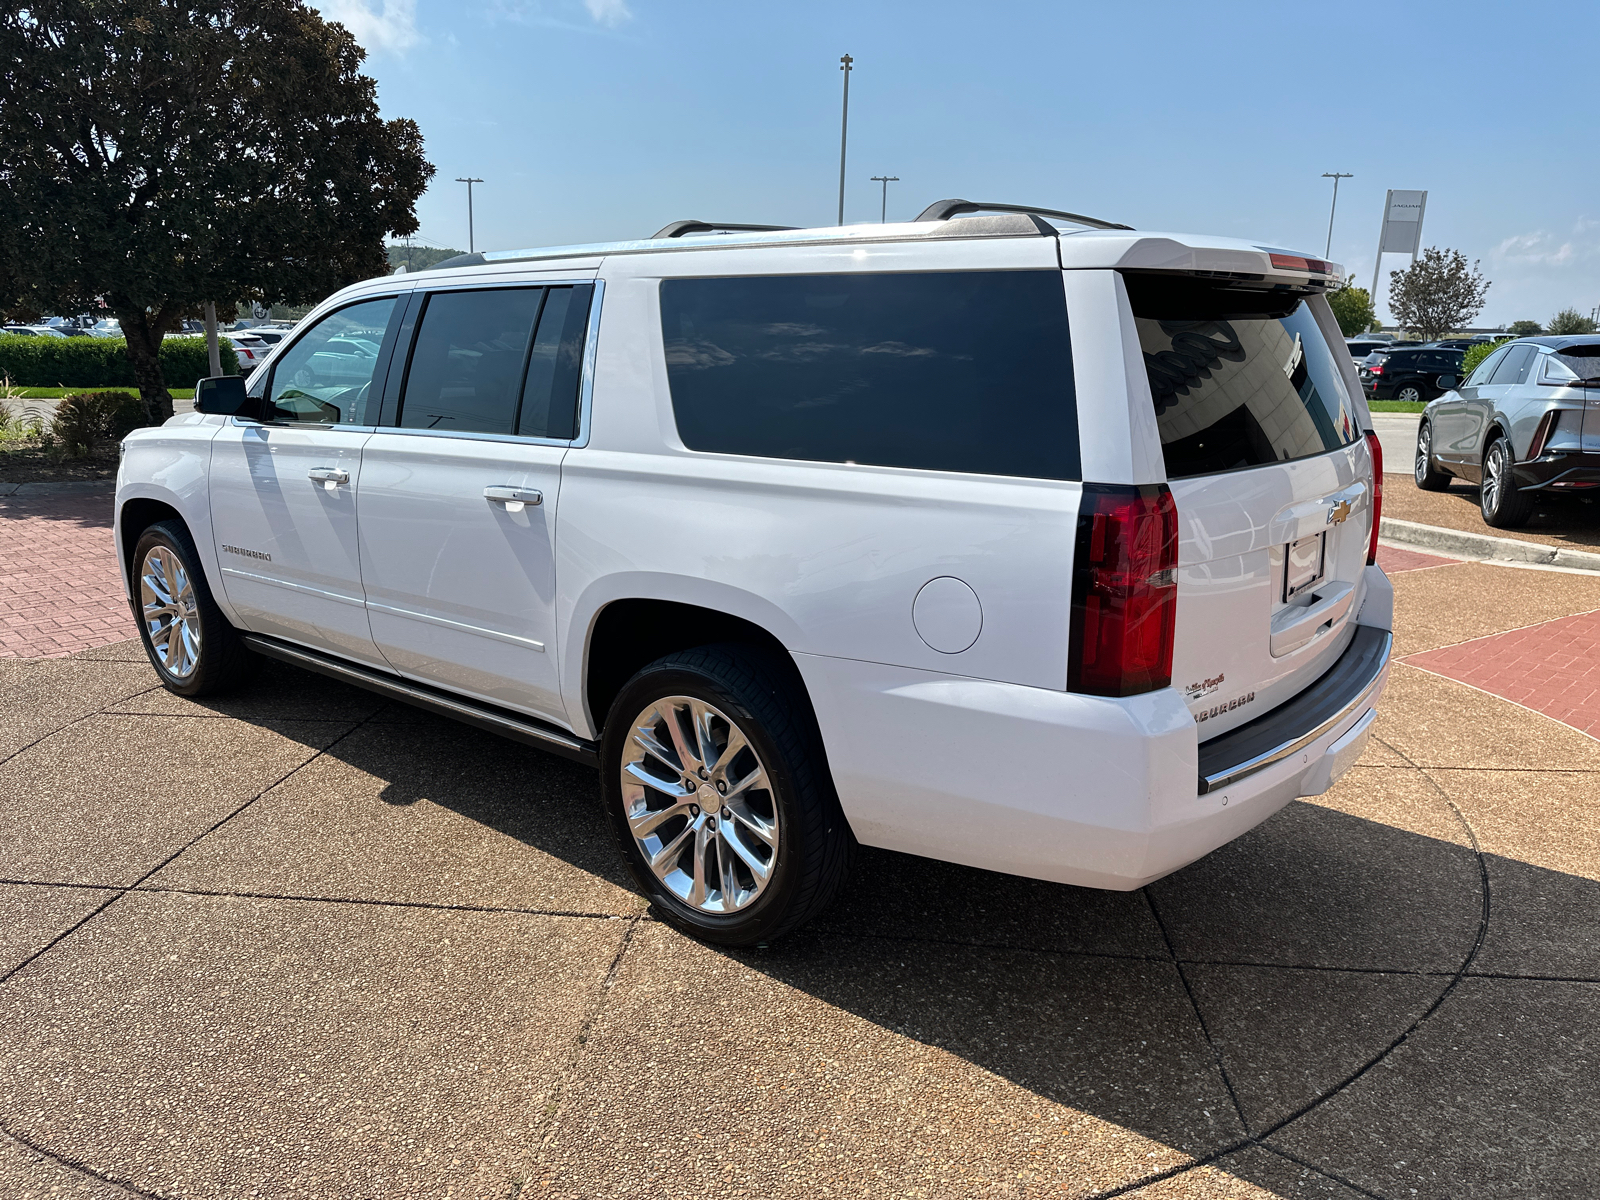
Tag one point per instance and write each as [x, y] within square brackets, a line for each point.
[1503, 505]
[1428, 476]
[190, 643]
[713, 775]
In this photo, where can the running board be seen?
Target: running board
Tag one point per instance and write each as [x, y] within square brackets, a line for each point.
[518, 728]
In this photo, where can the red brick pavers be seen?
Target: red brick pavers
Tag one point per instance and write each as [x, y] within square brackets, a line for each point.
[1393, 560]
[1552, 668]
[59, 591]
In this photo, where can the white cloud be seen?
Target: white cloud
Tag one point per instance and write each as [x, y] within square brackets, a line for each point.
[609, 12]
[379, 25]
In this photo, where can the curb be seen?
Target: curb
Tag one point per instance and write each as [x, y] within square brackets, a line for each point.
[1482, 545]
[46, 489]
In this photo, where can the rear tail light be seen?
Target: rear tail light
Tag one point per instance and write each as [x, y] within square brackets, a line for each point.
[1377, 370]
[1293, 262]
[1375, 448]
[1124, 590]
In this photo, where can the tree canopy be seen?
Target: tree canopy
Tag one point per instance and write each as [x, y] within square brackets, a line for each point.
[161, 155]
[1570, 320]
[1437, 293]
[1524, 328]
[1352, 308]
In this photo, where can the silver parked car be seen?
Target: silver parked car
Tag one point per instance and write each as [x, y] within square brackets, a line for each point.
[1527, 419]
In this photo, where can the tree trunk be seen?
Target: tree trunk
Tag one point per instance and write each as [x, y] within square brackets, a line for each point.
[144, 333]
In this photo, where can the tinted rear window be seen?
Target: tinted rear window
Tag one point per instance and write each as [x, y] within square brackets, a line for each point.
[1239, 379]
[954, 371]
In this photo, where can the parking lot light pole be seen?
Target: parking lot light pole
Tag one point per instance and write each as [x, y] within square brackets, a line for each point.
[1335, 176]
[469, 181]
[886, 180]
[844, 130]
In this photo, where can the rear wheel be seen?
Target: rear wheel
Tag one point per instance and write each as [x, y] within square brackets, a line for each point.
[1503, 505]
[716, 786]
[1409, 393]
[1428, 476]
[190, 643]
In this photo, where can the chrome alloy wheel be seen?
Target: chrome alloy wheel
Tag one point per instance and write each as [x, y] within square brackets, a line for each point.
[1424, 462]
[166, 596]
[1494, 476]
[699, 804]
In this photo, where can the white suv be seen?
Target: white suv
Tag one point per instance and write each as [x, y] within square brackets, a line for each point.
[1046, 550]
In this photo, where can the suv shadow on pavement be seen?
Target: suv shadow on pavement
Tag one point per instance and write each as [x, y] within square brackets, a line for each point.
[1391, 1009]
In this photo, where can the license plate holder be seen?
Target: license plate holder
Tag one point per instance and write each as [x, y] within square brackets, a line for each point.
[1304, 564]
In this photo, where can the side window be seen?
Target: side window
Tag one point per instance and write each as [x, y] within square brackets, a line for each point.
[1486, 369]
[325, 378]
[944, 371]
[1513, 367]
[468, 360]
[555, 365]
[502, 360]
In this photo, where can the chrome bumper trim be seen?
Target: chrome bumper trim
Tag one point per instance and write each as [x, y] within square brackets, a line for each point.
[1342, 692]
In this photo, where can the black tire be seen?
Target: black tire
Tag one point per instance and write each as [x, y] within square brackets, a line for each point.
[220, 661]
[760, 696]
[1423, 469]
[1410, 393]
[1504, 507]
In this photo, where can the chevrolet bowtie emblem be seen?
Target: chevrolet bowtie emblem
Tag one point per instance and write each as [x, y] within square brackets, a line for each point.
[1339, 512]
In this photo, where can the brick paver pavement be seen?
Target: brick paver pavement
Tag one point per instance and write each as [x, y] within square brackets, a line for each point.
[59, 591]
[1552, 668]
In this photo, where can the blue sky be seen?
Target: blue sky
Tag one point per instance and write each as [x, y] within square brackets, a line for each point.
[594, 120]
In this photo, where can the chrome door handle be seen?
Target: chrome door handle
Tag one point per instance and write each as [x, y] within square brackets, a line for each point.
[511, 495]
[328, 477]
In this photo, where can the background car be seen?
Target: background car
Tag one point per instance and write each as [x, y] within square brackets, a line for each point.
[250, 348]
[1411, 375]
[1523, 421]
[34, 331]
[1360, 348]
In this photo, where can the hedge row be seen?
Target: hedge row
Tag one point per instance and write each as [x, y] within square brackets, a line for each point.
[90, 362]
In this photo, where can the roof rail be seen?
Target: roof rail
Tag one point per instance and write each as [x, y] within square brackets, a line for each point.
[942, 210]
[684, 228]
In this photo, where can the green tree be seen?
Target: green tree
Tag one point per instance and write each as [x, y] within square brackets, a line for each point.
[1352, 308]
[1570, 320]
[1437, 293]
[1525, 329]
[418, 258]
[159, 155]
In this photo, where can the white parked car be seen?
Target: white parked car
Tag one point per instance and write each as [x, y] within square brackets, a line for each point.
[1046, 550]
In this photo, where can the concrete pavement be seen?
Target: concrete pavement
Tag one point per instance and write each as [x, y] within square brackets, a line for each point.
[300, 942]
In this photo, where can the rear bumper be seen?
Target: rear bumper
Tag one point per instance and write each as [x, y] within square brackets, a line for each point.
[1347, 689]
[1559, 471]
[1077, 789]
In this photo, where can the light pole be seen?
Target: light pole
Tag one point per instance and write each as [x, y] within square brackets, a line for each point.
[844, 130]
[1335, 176]
[469, 181]
[886, 180]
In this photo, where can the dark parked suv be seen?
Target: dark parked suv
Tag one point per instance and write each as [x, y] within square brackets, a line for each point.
[1411, 375]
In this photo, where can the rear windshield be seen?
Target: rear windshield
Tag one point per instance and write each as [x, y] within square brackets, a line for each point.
[943, 371]
[1240, 379]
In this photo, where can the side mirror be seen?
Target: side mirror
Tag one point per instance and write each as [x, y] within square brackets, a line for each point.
[1447, 381]
[223, 395]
